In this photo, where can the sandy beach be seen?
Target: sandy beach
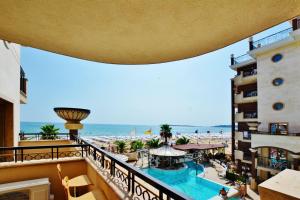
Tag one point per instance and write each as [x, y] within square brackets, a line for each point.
[107, 141]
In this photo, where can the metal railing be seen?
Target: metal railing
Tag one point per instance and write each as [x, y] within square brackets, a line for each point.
[134, 180]
[27, 153]
[23, 81]
[273, 163]
[40, 136]
[272, 38]
[240, 59]
[270, 133]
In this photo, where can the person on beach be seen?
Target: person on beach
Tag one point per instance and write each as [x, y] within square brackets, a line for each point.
[223, 193]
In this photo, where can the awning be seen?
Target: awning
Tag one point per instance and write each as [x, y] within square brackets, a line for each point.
[167, 151]
[138, 31]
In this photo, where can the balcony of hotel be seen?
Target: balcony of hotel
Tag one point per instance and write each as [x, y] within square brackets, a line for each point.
[242, 60]
[240, 155]
[287, 141]
[23, 87]
[275, 40]
[244, 136]
[246, 117]
[30, 170]
[245, 78]
[245, 97]
[272, 164]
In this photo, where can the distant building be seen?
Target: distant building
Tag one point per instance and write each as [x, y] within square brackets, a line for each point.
[266, 104]
[13, 91]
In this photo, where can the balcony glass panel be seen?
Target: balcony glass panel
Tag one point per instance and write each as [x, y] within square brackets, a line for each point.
[273, 163]
[272, 38]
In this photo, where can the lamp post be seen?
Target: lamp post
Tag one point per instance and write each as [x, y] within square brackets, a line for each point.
[73, 116]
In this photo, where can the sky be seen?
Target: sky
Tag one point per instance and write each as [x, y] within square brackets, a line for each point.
[193, 91]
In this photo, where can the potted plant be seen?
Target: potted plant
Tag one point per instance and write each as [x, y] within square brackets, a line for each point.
[137, 144]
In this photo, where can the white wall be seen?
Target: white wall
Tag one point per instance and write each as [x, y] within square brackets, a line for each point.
[288, 93]
[10, 80]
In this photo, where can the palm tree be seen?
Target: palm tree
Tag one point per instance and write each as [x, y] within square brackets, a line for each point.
[165, 132]
[183, 140]
[49, 132]
[153, 143]
[137, 144]
[120, 146]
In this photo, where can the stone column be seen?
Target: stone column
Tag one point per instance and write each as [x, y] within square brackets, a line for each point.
[254, 162]
[296, 161]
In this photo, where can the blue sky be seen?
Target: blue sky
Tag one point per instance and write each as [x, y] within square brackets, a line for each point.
[194, 91]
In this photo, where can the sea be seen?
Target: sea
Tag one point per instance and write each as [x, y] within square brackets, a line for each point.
[125, 130]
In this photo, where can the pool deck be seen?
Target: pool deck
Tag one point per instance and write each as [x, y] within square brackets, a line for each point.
[212, 174]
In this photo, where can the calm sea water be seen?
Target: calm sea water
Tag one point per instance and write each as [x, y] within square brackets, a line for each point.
[119, 129]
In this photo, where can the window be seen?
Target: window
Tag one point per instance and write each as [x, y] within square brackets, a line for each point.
[279, 128]
[278, 106]
[277, 81]
[277, 57]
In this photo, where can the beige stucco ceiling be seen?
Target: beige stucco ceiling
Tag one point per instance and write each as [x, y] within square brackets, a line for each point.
[138, 31]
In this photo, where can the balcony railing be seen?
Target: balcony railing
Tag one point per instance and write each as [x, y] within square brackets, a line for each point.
[130, 177]
[27, 153]
[39, 136]
[270, 133]
[273, 163]
[135, 182]
[240, 59]
[272, 38]
[23, 81]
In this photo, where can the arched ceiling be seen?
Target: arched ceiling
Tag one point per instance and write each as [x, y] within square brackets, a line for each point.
[138, 31]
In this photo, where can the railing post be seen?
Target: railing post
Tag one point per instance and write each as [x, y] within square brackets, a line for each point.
[132, 183]
[112, 168]
[81, 151]
[232, 59]
[16, 158]
[129, 179]
[52, 153]
[57, 152]
[102, 160]
[95, 157]
[22, 155]
[161, 195]
[251, 47]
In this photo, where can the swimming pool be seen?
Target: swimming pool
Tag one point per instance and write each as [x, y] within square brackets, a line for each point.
[186, 181]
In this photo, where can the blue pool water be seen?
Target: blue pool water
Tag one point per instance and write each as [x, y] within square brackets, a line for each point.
[186, 181]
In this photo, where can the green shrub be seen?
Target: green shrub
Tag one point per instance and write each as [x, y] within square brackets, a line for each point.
[182, 140]
[121, 145]
[153, 143]
[49, 132]
[137, 144]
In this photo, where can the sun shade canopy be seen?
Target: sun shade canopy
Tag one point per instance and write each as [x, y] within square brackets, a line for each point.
[167, 151]
[138, 31]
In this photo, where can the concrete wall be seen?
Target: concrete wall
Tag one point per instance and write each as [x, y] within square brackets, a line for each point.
[10, 80]
[267, 194]
[288, 93]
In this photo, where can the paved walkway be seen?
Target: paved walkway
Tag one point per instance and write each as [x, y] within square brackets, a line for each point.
[212, 174]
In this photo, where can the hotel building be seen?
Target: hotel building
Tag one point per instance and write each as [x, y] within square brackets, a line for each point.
[266, 105]
[13, 91]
